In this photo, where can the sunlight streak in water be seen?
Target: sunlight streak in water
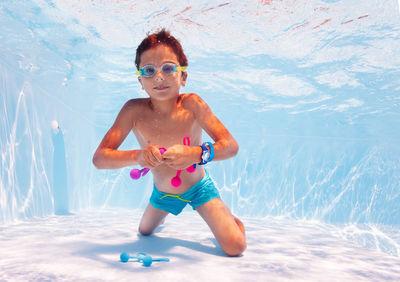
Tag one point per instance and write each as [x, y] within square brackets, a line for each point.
[308, 88]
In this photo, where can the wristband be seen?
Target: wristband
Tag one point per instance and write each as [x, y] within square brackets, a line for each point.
[211, 150]
[207, 155]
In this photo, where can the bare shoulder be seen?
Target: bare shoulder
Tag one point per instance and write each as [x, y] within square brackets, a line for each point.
[137, 103]
[130, 112]
[193, 102]
[135, 106]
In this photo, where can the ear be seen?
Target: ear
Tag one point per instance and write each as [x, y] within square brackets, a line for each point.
[140, 81]
[183, 78]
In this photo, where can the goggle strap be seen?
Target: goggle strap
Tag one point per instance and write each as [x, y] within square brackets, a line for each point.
[178, 68]
[183, 68]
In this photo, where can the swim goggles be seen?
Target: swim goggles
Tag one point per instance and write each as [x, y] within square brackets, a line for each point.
[167, 68]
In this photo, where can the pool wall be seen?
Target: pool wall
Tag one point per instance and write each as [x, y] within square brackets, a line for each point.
[328, 153]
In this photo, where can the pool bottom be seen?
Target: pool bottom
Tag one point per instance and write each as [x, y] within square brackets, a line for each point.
[86, 246]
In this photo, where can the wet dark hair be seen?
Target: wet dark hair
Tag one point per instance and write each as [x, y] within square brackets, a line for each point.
[161, 37]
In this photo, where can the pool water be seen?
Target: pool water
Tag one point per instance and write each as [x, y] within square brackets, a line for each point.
[310, 89]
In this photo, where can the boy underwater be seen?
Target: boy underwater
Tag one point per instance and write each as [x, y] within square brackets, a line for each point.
[162, 121]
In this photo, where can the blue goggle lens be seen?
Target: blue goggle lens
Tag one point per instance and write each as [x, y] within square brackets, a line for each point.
[167, 68]
[148, 71]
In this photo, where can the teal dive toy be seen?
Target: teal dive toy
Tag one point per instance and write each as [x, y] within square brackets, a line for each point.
[146, 260]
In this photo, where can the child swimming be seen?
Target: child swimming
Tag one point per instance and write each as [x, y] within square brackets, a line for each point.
[162, 121]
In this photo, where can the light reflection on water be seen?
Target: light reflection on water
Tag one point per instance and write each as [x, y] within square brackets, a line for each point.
[309, 89]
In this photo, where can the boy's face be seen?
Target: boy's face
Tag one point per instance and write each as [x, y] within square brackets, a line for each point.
[161, 86]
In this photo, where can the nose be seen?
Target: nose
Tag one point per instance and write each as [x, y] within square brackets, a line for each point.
[159, 75]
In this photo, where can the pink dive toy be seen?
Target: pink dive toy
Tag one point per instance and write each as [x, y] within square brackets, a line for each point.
[137, 173]
[176, 180]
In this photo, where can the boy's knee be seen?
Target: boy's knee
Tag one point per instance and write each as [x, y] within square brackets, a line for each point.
[236, 246]
[144, 231]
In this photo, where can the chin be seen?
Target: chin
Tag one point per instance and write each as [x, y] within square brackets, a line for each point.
[163, 96]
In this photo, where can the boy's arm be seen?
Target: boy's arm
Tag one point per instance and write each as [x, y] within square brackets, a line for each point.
[225, 145]
[108, 157]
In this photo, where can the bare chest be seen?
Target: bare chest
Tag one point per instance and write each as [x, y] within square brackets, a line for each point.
[165, 131]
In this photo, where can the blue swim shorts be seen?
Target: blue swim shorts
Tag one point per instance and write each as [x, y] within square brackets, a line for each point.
[202, 192]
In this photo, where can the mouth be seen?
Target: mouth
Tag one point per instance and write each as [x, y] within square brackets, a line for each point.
[160, 87]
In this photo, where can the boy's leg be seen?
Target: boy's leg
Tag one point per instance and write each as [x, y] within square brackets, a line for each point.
[228, 229]
[151, 219]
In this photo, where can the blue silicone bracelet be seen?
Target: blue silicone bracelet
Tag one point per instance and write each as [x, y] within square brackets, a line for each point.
[211, 150]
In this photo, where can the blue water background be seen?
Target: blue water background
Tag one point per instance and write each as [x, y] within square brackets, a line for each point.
[310, 89]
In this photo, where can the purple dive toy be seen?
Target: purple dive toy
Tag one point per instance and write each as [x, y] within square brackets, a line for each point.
[176, 180]
[137, 173]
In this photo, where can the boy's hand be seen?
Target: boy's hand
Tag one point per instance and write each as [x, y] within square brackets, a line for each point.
[150, 157]
[179, 157]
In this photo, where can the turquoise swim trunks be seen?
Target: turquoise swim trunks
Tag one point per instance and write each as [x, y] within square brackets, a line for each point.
[202, 192]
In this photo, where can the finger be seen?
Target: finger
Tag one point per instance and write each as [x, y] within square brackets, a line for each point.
[156, 155]
[175, 164]
[148, 161]
[170, 163]
[150, 158]
[169, 154]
